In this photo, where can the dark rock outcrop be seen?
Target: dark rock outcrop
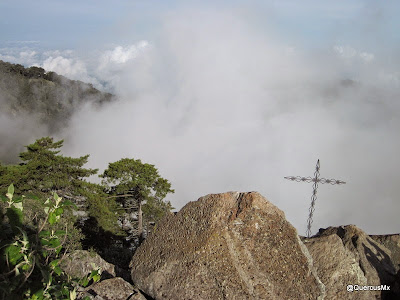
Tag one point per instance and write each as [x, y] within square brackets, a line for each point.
[391, 242]
[226, 246]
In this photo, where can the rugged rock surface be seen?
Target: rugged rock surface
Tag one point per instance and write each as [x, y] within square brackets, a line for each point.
[80, 263]
[115, 289]
[226, 246]
[391, 242]
[346, 255]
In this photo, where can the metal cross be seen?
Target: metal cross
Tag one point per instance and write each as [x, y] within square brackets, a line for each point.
[316, 179]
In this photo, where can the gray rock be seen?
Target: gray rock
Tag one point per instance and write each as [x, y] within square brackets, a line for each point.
[336, 267]
[80, 263]
[114, 289]
[346, 255]
[226, 246]
[391, 242]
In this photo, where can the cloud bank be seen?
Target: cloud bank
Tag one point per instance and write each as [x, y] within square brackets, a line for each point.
[220, 106]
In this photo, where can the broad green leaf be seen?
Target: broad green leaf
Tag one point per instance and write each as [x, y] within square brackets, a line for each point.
[84, 281]
[52, 218]
[44, 233]
[38, 294]
[60, 232]
[55, 242]
[58, 270]
[58, 250]
[59, 211]
[26, 267]
[54, 263]
[11, 189]
[96, 277]
[14, 254]
[14, 216]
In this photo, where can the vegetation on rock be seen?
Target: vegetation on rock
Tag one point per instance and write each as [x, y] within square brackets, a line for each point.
[104, 208]
[30, 256]
[44, 170]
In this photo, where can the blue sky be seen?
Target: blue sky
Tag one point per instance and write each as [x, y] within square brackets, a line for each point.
[69, 24]
[231, 95]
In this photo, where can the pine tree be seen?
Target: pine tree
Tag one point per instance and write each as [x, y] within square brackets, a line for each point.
[45, 170]
[134, 182]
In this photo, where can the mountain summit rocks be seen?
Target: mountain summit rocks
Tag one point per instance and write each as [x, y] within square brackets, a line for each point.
[346, 255]
[226, 246]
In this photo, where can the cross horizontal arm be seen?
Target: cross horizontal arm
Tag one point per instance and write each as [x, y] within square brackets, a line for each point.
[309, 179]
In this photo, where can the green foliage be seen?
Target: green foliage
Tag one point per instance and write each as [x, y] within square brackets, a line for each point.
[9, 174]
[142, 181]
[154, 209]
[45, 169]
[30, 259]
[101, 207]
[125, 182]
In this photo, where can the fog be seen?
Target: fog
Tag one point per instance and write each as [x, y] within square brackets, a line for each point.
[221, 106]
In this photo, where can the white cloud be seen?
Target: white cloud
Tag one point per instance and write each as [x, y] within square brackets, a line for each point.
[72, 68]
[348, 52]
[8, 58]
[25, 56]
[120, 55]
[65, 66]
[345, 51]
[217, 106]
[103, 70]
[367, 57]
[65, 53]
[220, 106]
[28, 55]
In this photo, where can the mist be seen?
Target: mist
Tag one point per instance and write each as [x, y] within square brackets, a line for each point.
[15, 132]
[220, 106]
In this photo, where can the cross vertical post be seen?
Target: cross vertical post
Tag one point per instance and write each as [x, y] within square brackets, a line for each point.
[316, 180]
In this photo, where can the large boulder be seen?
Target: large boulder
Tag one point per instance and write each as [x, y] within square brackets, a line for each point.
[226, 246]
[344, 256]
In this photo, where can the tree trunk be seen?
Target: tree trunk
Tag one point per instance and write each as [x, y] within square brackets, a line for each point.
[140, 223]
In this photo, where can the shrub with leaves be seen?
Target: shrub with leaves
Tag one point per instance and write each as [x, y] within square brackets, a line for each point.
[30, 258]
